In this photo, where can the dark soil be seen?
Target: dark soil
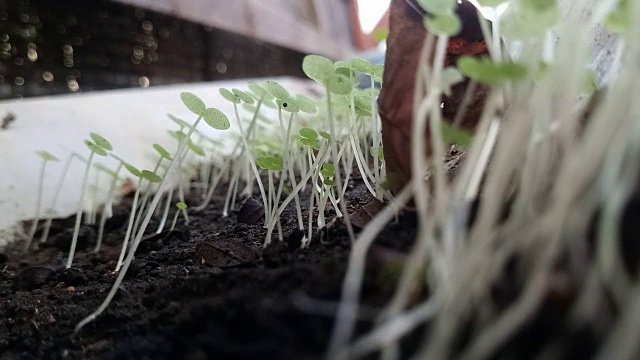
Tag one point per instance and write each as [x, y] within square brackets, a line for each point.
[273, 303]
[210, 291]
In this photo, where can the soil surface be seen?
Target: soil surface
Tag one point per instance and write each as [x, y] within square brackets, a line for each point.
[209, 290]
[205, 290]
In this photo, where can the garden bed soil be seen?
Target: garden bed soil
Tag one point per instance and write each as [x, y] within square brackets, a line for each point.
[209, 290]
[186, 296]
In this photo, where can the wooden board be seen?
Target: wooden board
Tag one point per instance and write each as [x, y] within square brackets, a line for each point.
[309, 26]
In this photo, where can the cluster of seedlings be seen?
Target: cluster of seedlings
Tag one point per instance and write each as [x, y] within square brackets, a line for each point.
[287, 145]
[549, 174]
[291, 146]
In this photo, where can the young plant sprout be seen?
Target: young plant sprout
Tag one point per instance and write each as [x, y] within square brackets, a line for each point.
[309, 139]
[322, 71]
[196, 149]
[98, 146]
[164, 154]
[237, 97]
[306, 106]
[46, 157]
[237, 153]
[54, 201]
[152, 178]
[272, 164]
[365, 67]
[94, 190]
[181, 206]
[214, 118]
[106, 208]
[327, 173]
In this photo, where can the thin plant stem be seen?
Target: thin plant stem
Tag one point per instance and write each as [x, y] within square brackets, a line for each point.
[252, 163]
[143, 226]
[76, 229]
[145, 198]
[132, 216]
[291, 196]
[107, 205]
[54, 201]
[165, 214]
[36, 218]
[336, 160]
[175, 219]
[344, 324]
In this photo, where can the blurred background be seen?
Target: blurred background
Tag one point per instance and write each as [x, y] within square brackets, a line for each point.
[58, 58]
[68, 46]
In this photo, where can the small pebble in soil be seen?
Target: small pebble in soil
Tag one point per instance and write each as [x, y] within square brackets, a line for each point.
[62, 241]
[251, 212]
[158, 241]
[223, 253]
[117, 221]
[33, 278]
[294, 239]
[72, 277]
[134, 269]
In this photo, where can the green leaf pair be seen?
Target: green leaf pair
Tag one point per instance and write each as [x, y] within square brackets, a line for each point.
[483, 70]
[46, 156]
[619, 19]
[380, 152]
[99, 146]
[309, 138]
[453, 135]
[236, 96]
[443, 24]
[214, 117]
[144, 174]
[529, 19]
[328, 171]
[322, 70]
[273, 163]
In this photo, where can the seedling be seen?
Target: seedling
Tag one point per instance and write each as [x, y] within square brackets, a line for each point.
[106, 208]
[46, 157]
[452, 135]
[164, 154]
[94, 190]
[327, 173]
[272, 164]
[483, 70]
[54, 201]
[305, 105]
[181, 207]
[235, 99]
[322, 70]
[214, 118]
[152, 177]
[98, 146]
[360, 104]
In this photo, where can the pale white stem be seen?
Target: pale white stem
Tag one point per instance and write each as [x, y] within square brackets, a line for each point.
[36, 217]
[166, 210]
[252, 162]
[107, 205]
[175, 219]
[351, 287]
[130, 226]
[54, 202]
[336, 161]
[76, 229]
[145, 223]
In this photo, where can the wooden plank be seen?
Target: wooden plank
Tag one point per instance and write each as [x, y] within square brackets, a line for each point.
[272, 21]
